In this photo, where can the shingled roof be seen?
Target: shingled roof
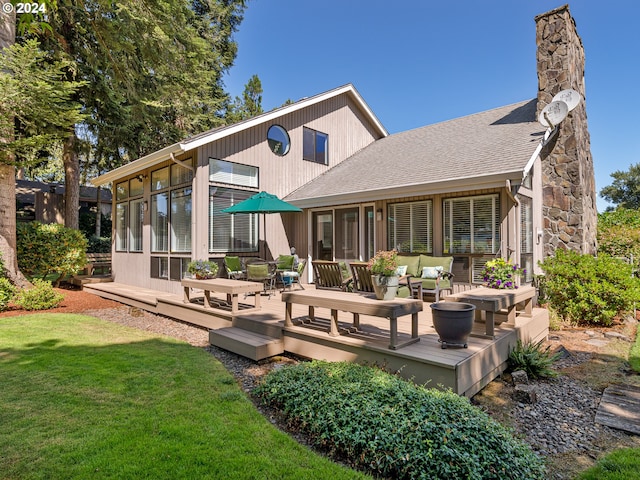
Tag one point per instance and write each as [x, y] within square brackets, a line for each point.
[476, 151]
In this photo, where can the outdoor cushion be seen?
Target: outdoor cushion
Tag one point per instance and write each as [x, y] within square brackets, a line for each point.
[431, 272]
[401, 271]
[412, 263]
[285, 262]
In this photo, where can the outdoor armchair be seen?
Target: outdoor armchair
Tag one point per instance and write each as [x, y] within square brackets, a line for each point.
[260, 272]
[233, 266]
[294, 276]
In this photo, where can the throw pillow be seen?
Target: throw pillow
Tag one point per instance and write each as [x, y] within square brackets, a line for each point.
[401, 271]
[431, 272]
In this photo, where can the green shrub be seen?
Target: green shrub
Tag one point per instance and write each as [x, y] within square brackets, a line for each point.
[7, 291]
[587, 290]
[393, 428]
[53, 248]
[533, 358]
[98, 245]
[619, 233]
[41, 296]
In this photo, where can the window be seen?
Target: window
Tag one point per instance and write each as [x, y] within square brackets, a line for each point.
[231, 233]
[160, 267]
[136, 187]
[180, 220]
[136, 218]
[526, 236]
[121, 226]
[122, 191]
[472, 225]
[160, 179]
[346, 233]
[410, 226]
[171, 210]
[231, 173]
[315, 146]
[278, 140]
[160, 222]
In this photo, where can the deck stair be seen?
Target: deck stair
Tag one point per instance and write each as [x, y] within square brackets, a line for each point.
[253, 345]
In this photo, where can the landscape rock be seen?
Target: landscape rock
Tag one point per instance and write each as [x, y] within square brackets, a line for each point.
[525, 394]
[520, 377]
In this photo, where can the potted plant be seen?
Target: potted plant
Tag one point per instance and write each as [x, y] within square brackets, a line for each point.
[383, 266]
[502, 274]
[202, 269]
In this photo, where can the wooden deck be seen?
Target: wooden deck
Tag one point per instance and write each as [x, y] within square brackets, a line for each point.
[262, 333]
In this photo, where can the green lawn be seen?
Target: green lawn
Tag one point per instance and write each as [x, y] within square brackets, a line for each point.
[85, 398]
[618, 465]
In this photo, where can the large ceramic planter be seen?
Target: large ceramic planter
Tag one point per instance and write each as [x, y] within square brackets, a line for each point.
[453, 322]
[385, 288]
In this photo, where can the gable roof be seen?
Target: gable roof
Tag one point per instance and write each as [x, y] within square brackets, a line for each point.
[225, 131]
[477, 151]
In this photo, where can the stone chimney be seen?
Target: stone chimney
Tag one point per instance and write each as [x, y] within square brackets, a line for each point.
[568, 181]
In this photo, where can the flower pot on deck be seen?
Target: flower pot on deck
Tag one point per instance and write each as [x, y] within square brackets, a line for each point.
[385, 287]
[453, 322]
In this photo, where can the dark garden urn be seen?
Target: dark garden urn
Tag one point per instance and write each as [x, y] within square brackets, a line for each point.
[453, 322]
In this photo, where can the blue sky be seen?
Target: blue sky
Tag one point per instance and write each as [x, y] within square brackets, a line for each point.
[421, 62]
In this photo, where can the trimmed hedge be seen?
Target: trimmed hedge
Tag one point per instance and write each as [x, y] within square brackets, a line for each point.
[393, 428]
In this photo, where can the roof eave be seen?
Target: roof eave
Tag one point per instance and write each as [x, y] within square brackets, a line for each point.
[453, 185]
[139, 165]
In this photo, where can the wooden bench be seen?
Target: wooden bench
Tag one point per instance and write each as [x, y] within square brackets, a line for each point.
[357, 305]
[98, 261]
[223, 285]
[492, 301]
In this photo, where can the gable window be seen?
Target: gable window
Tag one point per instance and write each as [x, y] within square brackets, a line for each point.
[410, 226]
[221, 171]
[315, 146]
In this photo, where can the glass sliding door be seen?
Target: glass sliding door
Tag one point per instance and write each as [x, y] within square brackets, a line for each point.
[347, 241]
[323, 235]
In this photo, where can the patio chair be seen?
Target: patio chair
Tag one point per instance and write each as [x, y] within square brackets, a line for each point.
[260, 272]
[293, 276]
[362, 281]
[233, 266]
[328, 275]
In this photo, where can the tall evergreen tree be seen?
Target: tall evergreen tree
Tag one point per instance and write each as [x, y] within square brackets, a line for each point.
[152, 73]
[35, 108]
[249, 105]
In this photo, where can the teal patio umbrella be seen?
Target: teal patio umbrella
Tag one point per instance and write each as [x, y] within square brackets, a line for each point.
[264, 203]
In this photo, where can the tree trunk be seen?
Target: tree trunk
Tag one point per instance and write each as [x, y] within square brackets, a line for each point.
[98, 211]
[71, 182]
[8, 182]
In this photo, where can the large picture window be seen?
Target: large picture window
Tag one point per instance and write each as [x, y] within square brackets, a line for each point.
[122, 210]
[410, 226]
[472, 225]
[160, 222]
[231, 233]
[136, 218]
[181, 220]
[315, 146]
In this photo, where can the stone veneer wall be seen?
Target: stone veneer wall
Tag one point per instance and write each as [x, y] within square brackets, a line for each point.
[569, 194]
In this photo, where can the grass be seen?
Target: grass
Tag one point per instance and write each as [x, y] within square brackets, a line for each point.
[85, 398]
[619, 465]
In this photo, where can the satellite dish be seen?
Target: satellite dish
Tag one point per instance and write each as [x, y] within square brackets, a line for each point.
[570, 97]
[553, 114]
